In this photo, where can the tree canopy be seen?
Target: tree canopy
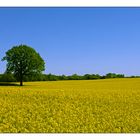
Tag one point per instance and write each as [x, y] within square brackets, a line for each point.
[23, 61]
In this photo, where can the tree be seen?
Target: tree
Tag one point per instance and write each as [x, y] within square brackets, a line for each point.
[86, 76]
[110, 75]
[23, 61]
[114, 75]
[7, 77]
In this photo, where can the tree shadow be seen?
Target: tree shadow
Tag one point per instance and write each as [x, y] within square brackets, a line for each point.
[8, 84]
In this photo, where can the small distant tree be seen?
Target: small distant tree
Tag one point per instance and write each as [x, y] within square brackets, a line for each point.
[23, 61]
[110, 75]
[63, 77]
[7, 77]
[87, 76]
[114, 75]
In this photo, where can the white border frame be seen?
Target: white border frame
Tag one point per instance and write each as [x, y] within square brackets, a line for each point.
[69, 136]
[69, 3]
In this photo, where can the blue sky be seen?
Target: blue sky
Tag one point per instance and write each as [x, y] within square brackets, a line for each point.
[76, 40]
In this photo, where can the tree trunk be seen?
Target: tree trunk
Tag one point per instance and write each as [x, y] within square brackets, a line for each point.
[21, 76]
[21, 83]
[21, 79]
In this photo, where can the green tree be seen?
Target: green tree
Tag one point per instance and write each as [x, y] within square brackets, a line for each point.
[7, 77]
[23, 61]
[110, 75]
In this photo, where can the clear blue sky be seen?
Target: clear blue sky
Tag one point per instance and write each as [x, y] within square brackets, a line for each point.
[76, 40]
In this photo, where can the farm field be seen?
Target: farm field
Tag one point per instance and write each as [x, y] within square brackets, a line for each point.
[92, 106]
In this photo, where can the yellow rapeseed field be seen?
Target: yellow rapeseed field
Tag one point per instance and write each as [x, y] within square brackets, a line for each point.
[92, 106]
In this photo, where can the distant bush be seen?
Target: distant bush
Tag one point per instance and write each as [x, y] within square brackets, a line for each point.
[7, 77]
[114, 75]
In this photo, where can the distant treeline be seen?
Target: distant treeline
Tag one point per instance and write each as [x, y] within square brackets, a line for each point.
[8, 77]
